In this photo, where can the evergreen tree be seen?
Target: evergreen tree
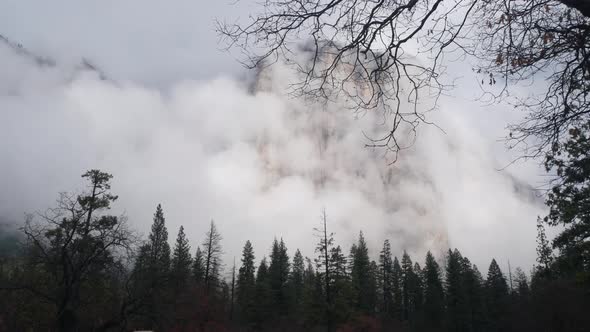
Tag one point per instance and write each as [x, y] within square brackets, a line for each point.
[232, 291]
[361, 276]
[417, 294]
[215, 281]
[296, 281]
[340, 287]
[455, 297]
[141, 266]
[408, 287]
[225, 296]
[323, 265]
[397, 289]
[199, 267]
[212, 253]
[181, 260]
[157, 276]
[313, 297]
[263, 294]
[522, 284]
[278, 272]
[433, 294]
[351, 256]
[338, 265]
[569, 202]
[372, 287]
[473, 308]
[386, 280]
[158, 244]
[544, 251]
[180, 273]
[496, 297]
[246, 284]
[70, 256]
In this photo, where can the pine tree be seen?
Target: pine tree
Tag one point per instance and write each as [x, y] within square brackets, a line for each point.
[417, 282]
[522, 284]
[181, 260]
[225, 297]
[361, 276]
[351, 256]
[158, 243]
[372, 287]
[323, 265]
[141, 266]
[199, 267]
[407, 286]
[232, 291]
[212, 253]
[69, 253]
[278, 271]
[153, 270]
[296, 280]
[569, 202]
[338, 265]
[313, 296]
[340, 287]
[455, 297]
[496, 297]
[246, 284]
[263, 294]
[473, 306]
[215, 280]
[544, 251]
[386, 280]
[433, 294]
[397, 289]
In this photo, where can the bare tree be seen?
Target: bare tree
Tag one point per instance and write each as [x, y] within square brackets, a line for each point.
[212, 249]
[546, 45]
[356, 49]
[323, 263]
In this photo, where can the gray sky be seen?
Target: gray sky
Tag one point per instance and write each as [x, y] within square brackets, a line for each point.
[153, 42]
[176, 125]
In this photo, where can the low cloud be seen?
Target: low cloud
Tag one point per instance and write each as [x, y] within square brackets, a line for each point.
[261, 164]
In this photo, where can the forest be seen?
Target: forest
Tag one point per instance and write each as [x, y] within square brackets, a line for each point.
[78, 268]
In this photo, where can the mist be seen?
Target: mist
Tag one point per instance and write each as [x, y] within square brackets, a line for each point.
[257, 161]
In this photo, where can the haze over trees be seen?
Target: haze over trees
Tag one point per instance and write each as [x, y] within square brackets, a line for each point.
[81, 269]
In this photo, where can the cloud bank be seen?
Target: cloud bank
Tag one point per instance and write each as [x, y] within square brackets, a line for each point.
[259, 163]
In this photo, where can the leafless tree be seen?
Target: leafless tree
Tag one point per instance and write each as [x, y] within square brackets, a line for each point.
[545, 45]
[356, 49]
[323, 262]
[212, 249]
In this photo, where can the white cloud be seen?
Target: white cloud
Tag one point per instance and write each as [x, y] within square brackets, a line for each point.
[173, 130]
[253, 162]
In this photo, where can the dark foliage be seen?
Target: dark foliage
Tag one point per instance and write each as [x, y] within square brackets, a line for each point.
[79, 270]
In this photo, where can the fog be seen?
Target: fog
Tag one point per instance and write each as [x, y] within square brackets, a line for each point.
[182, 127]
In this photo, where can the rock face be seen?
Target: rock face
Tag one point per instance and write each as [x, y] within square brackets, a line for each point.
[20, 50]
[444, 180]
[44, 61]
[397, 200]
[261, 161]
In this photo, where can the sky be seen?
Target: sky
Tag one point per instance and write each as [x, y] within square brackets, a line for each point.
[177, 123]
